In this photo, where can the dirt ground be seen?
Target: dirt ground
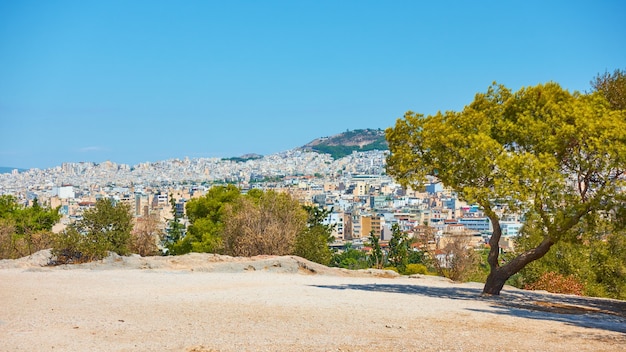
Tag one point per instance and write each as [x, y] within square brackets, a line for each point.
[204, 302]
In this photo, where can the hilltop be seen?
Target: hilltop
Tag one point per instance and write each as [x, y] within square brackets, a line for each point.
[345, 143]
[205, 302]
[8, 170]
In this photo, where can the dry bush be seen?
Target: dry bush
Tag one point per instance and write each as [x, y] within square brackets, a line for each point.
[13, 246]
[267, 225]
[457, 260]
[7, 242]
[146, 235]
[557, 283]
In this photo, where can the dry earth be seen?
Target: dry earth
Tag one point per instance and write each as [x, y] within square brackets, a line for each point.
[203, 302]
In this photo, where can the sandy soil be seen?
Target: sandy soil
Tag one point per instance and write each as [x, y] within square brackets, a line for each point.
[213, 303]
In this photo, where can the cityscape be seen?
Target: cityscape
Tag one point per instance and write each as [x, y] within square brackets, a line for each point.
[363, 199]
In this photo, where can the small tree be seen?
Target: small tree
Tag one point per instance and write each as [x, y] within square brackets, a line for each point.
[206, 215]
[25, 230]
[377, 258]
[312, 242]
[398, 248]
[175, 231]
[350, 258]
[106, 227]
[456, 260]
[146, 236]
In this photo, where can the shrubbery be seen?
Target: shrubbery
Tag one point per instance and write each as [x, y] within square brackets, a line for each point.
[107, 227]
[24, 230]
[412, 269]
[557, 283]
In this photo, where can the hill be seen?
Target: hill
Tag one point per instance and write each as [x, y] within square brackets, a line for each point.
[345, 143]
[8, 170]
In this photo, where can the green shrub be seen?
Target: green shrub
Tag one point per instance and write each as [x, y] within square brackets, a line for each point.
[412, 269]
[72, 247]
[106, 227]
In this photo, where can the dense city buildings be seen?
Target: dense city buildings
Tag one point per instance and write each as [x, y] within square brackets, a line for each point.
[362, 197]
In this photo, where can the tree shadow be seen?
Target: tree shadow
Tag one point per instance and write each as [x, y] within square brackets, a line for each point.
[587, 312]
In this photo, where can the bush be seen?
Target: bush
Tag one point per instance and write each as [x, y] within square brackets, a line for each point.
[145, 236]
[557, 283]
[312, 244]
[71, 247]
[412, 269]
[14, 245]
[262, 223]
[105, 228]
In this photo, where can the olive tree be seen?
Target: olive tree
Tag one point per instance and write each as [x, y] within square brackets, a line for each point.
[553, 156]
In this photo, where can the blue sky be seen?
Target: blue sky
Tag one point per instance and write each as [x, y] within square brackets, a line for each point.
[141, 80]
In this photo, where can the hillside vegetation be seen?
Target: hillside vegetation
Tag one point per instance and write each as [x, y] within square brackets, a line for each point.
[345, 143]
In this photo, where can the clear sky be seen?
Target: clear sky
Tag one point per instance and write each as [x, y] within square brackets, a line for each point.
[143, 80]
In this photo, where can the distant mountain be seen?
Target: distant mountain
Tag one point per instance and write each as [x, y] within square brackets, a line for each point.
[8, 170]
[244, 158]
[345, 143]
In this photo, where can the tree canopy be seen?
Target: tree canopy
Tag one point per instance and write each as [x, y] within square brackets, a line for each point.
[206, 215]
[552, 156]
[106, 227]
[312, 242]
[613, 87]
[24, 229]
[258, 222]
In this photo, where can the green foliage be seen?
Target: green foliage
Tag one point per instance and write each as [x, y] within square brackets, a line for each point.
[340, 151]
[312, 242]
[398, 249]
[350, 141]
[350, 258]
[106, 227]
[243, 159]
[72, 247]
[175, 232]
[35, 218]
[596, 259]
[412, 269]
[206, 215]
[550, 155]
[417, 257]
[24, 230]
[8, 205]
[376, 258]
[612, 86]
[480, 270]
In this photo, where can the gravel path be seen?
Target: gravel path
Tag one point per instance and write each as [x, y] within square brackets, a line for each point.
[254, 308]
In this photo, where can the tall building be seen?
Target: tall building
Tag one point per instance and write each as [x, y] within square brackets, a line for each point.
[372, 223]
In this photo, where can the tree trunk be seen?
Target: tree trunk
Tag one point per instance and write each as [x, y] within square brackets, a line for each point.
[495, 282]
[498, 275]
